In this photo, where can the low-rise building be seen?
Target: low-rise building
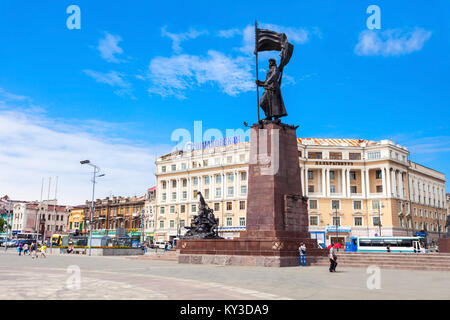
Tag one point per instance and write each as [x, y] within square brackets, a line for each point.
[45, 218]
[118, 212]
[76, 222]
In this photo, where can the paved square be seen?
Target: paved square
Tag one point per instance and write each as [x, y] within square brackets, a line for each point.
[121, 278]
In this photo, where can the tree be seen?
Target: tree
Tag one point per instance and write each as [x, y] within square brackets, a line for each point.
[2, 224]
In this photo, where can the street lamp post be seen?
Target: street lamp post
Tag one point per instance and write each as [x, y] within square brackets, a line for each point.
[337, 228]
[96, 171]
[379, 217]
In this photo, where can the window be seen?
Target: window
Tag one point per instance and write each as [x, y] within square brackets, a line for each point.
[358, 221]
[229, 222]
[184, 182]
[313, 204]
[218, 178]
[336, 155]
[182, 208]
[354, 156]
[216, 206]
[163, 184]
[172, 209]
[229, 159]
[206, 179]
[218, 192]
[332, 189]
[194, 194]
[230, 177]
[182, 223]
[229, 205]
[376, 221]
[173, 167]
[310, 175]
[243, 176]
[310, 188]
[161, 223]
[193, 208]
[353, 189]
[242, 157]
[217, 161]
[205, 163]
[241, 205]
[172, 224]
[183, 166]
[331, 174]
[184, 194]
[337, 221]
[162, 210]
[335, 204]
[357, 205]
[379, 189]
[206, 193]
[243, 189]
[230, 191]
[174, 196]
[195, 181]
[314, 155]
[313, 221]
[241, 221]
[163, 169]
[352, 175]
[378, 174]
[374, 155]
[375, 204]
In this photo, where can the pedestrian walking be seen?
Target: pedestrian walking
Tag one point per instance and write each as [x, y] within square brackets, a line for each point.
[388, 247]
[43, 250]
[25, 249]
[302, 250]
[33, 250]
[20, 247]
[333, 259]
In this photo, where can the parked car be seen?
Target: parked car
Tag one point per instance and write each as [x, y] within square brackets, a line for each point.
[160, 244]
[12, 243]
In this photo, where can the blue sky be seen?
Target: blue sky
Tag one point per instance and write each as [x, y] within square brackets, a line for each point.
[115, 90]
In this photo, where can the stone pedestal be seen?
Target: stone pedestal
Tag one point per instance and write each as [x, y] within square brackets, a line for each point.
[277, 216]
[444, 245]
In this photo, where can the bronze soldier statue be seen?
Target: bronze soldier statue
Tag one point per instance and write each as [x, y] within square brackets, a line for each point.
[272, 101]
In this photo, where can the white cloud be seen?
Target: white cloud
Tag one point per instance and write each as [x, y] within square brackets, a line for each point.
[177, 38]
[174, 75]
[391, 42]
[108, 47]
[113, 79]
[229, 33]
[34, 147]
[11, 96]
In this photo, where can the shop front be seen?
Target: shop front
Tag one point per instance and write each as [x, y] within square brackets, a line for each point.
[337, 235]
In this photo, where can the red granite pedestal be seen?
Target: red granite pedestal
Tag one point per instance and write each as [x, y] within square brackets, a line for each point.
[444, 245]
[277, 216]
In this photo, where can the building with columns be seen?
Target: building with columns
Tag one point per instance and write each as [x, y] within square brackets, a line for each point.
[369, 188]
[219, 173]
[366, 188]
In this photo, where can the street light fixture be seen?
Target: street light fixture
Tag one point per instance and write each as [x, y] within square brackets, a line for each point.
[379, 217]
[95, 175]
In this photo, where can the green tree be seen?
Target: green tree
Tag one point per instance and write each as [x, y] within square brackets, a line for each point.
[2, 224]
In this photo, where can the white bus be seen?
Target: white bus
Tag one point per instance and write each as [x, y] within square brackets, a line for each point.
[396, 244]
